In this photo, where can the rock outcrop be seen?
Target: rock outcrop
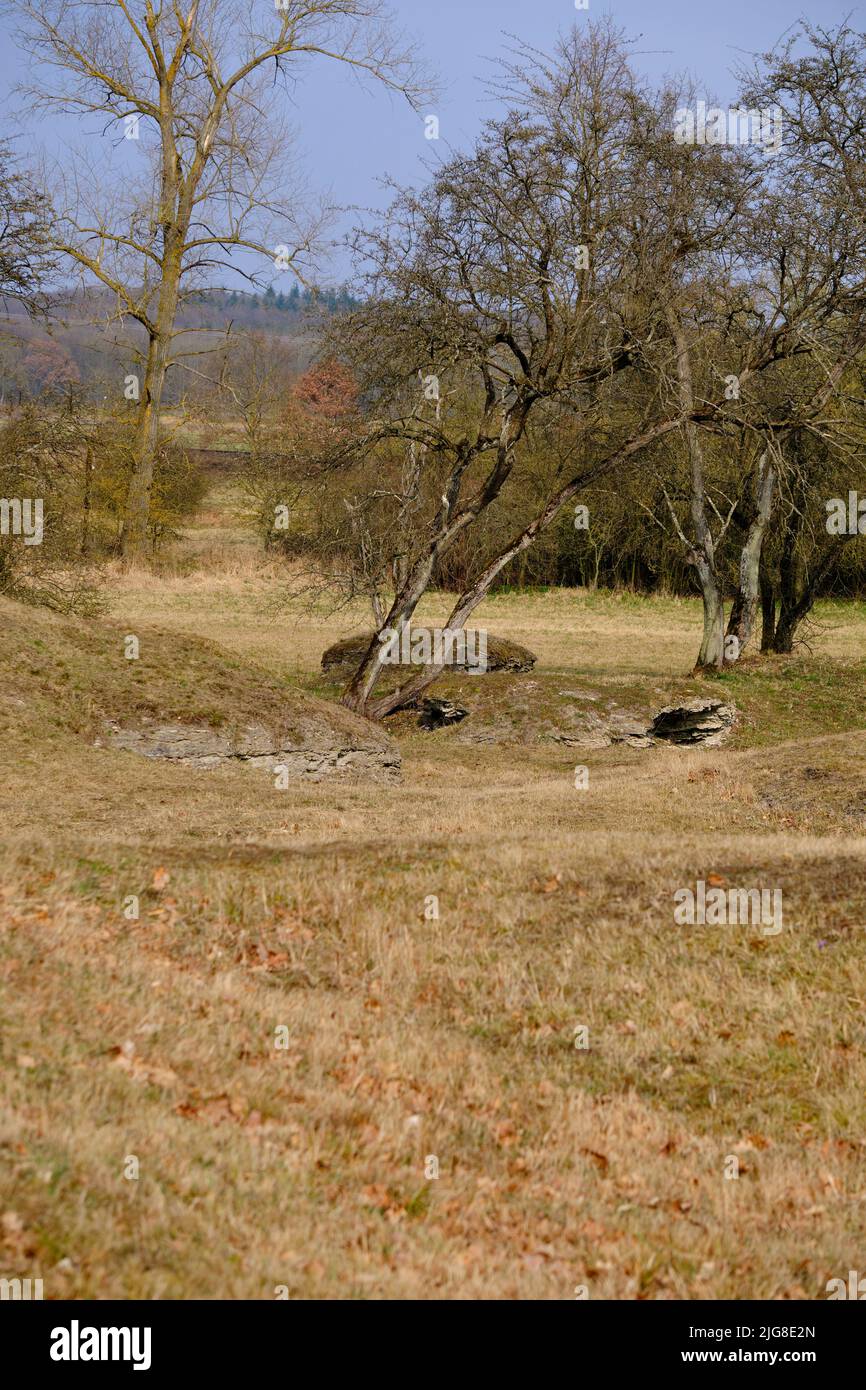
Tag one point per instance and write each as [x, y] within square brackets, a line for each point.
[321, 751]
[438, 714]
[698, 721]
[707, 722]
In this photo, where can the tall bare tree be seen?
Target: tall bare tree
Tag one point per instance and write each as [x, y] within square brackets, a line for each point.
[486, 303]
[531, 280]
[197, 83]
[816, 80]
[25, 215]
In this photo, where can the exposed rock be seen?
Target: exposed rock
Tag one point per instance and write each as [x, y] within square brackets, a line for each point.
[698, 721]
[186, 700]
[600, 731]
[502, 655]
[322, 751]
[589, 739]
[436, 714]
[707, 722]
[624, 726]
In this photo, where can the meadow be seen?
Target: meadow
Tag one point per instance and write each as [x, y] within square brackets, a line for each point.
[437, 1036]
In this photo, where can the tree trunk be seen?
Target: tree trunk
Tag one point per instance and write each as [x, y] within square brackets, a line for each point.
[87, 502]
[798, 598]
[712, 653]
[365, 679]
[133, 539]
[448, 526]
[783, 637]
[798, 588]
[768, 610]
[744, 611]
[701, 550]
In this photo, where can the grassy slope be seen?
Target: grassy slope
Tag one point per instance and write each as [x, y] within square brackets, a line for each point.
[409, 1037]
[67, 677]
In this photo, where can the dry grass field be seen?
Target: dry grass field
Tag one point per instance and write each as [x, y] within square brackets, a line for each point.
[432, 1124]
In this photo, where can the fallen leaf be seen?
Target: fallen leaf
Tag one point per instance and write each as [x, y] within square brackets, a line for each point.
[760, 1141]
[139, 1070]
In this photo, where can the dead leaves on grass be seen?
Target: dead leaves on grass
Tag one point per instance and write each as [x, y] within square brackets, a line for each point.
[554, 884]
[219, 1110]
[16, 1241]
[138, 1070]
[211, 1109]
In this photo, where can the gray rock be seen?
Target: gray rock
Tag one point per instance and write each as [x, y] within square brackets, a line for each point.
[583, 740]
[707, 722]
[323, 752]
[698, 721]
[436, 714]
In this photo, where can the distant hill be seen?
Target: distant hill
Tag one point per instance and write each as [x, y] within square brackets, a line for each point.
[87, 345]
[272, 312]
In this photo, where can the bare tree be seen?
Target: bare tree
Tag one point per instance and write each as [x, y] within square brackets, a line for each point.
[25, 260]
[499, 292]
[778, 282]
[818, 235]
[197, 83]
[532, 279]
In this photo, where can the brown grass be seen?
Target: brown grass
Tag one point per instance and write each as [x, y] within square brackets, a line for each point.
[306, 1167]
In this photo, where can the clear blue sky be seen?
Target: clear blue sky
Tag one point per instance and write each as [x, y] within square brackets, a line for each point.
[351, 137]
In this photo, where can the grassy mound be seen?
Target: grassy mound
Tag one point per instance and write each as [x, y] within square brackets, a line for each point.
[502, 655]
[66, 676]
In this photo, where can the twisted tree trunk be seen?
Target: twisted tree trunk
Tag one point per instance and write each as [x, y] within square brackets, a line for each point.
[741, 623]
[701, 548]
